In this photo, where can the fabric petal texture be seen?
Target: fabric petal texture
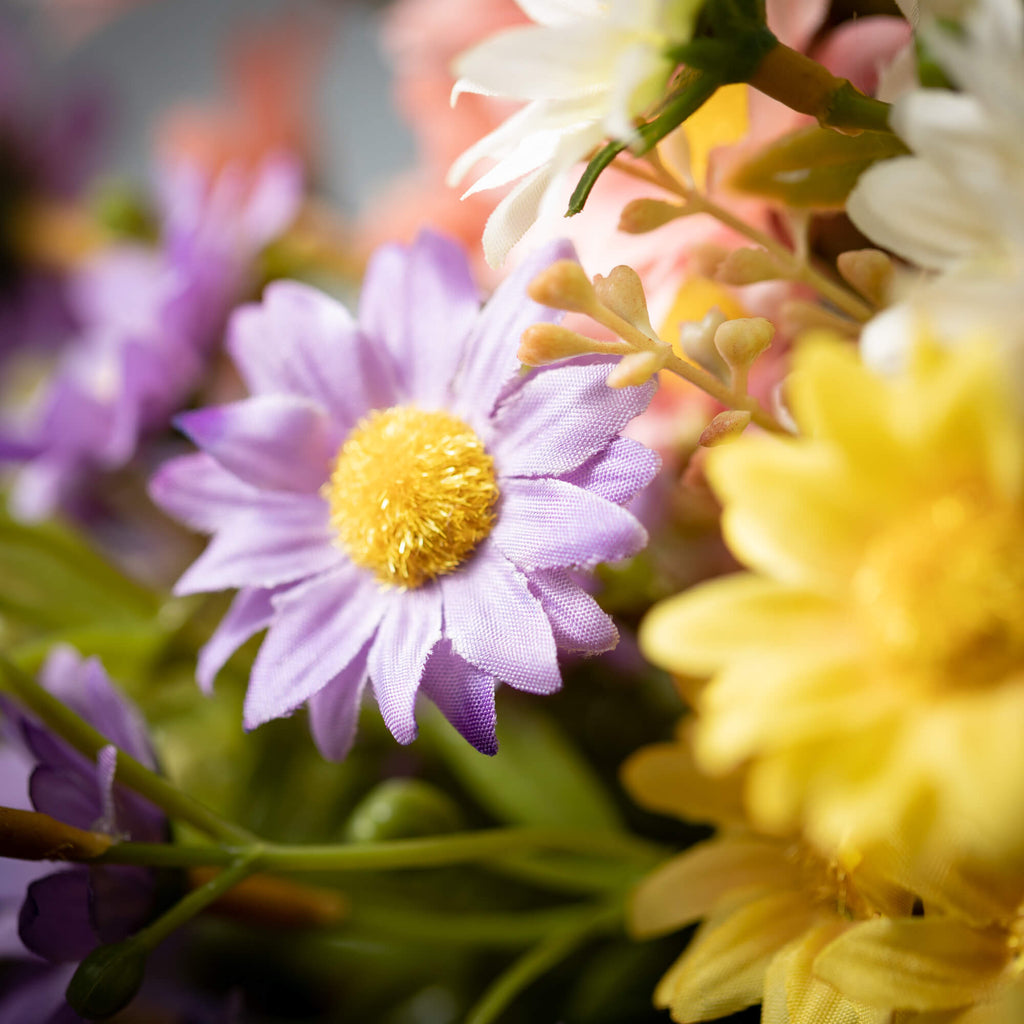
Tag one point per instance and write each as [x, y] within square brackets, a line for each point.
[398, 505]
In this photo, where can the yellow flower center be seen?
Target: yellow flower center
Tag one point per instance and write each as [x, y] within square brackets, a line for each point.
[412, 494]
[943, 591]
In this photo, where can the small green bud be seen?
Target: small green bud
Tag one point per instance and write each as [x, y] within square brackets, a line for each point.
[403, 809]
[107, 980]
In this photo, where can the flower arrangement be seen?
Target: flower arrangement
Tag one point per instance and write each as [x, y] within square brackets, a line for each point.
[592, 599]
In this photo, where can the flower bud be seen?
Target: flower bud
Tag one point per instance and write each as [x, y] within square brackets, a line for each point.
[697, 341]
[403, 809]
[741, 341]
[547, 343]
[623, 293]
[725, 427]
[869, 271]
[107, 980]
[643, 215]
[748, 266]
[563, 285]
[637, 367]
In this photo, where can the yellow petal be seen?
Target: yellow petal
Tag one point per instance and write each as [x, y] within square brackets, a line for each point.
[696, 632]
[914, 963]
[793, 511]
[793, 995]
[723, 970]
[777, 699]
[664, 778]
[690, 886]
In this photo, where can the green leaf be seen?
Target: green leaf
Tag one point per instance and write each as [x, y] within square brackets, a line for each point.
[813, 168]
[536, 778]
[51, 578]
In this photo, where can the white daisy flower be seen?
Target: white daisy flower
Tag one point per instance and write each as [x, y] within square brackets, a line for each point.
[586, 69]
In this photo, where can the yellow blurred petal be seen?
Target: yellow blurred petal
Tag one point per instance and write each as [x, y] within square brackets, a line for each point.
[664, 778]
[692, 885]
[724, 968]
[723, 120]
[914, 964]
[793, 511]
[700, 630]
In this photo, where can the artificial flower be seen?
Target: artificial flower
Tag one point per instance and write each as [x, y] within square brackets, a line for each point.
[587, 70]
[955, 207]
[150, 319]
[399, 505]
[870, 665]
[769, 904]
[50, 919]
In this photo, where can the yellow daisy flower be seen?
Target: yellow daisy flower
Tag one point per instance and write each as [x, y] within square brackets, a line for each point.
[869, 668]
[769, 906]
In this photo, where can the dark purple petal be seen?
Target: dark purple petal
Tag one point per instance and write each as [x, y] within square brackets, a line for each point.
[464, 695]
[539, 430]
[302, 342]
[548, 524]
[55, 922]
[334, 711]
[70, 796]
[319, 627]
[409, 630]
[274, 442]
[264, 548]
[34, 994]
[497, 625]
[434, 303]
[578, 622]
[619, 472]
[491, 352]
[251, 611]
[123, 900]
[200, 492]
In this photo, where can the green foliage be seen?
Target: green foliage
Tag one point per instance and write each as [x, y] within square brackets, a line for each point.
[813, 168]
[538, 778]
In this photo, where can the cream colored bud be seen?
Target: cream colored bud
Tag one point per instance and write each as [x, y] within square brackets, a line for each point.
[798, 316]
[748, 266]
[637, 367]
[870, 271]
[643, 215]
[697, 341]
[741, 341]
[623, 293]
[705, 259]
[547, 343]
[564, 285]
[725, 427]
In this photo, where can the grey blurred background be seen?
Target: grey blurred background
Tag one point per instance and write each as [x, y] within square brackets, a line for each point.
[161, 52]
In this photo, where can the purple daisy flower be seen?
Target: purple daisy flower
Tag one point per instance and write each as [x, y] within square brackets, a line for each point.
[399, 505]
[64, 914]
[149, 321]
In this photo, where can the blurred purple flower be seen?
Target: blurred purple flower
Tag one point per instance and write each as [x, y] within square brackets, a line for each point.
[149, 321]
[399, 504]
[48, 146]
[65, 913]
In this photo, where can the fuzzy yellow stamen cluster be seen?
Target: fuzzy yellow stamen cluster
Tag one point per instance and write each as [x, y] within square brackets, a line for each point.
[412, 494]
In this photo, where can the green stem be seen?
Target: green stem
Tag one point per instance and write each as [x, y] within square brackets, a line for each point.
[196, 901]
[804, 85]
[131, 773]
[435, 851]
[537, 962]
[492, 930]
